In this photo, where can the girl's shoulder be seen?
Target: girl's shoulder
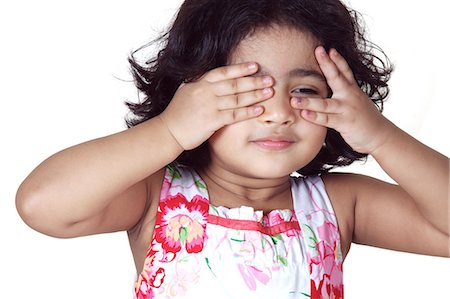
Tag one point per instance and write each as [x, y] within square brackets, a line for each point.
[380, 214]
[342, 191]
[345, 191]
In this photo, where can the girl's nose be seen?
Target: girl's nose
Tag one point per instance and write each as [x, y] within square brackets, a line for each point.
[278, 110]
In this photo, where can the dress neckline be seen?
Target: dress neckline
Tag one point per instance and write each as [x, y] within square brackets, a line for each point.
[245, 212]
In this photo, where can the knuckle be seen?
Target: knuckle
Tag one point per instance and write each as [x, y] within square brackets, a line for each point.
[234, 85]
[235, 100]
[223, 71]
[346, 68]
[201, 89]
[234, 115]
[327, 104]
[335, 76]
[230, 117]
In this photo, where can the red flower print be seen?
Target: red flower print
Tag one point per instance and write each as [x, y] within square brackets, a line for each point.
[182, 223]
[316, 291]
[143, 290]
[324, 267]
[149, 279]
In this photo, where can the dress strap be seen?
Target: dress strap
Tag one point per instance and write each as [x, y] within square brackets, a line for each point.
[179, 179]
[318, 222]
[180, 227]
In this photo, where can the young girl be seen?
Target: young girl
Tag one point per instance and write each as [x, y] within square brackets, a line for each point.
[243, 94]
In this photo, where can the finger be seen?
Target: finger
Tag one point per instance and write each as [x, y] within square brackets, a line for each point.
[342, 65]
[240, 85]
[317, 105]
[335, 79]
[236, 115]
[321, 119]
[231, 71]
[244, 99]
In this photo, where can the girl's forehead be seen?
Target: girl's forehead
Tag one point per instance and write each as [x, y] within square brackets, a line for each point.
[277, 46]
[278, 39]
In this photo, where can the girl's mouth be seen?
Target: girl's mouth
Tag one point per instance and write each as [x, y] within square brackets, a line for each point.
[273, 143]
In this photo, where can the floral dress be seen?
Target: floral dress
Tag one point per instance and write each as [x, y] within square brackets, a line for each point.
[202, 251]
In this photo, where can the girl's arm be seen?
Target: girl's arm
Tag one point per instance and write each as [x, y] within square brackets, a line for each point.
[103, 185]
[97, 186]
[421, 171]
[403, 217]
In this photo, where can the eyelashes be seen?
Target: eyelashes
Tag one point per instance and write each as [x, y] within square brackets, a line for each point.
[305, 90]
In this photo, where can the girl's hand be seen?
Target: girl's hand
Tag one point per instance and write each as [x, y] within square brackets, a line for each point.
[349, 111]
[223, 96]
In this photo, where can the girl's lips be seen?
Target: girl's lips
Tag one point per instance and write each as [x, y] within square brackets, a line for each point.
[273, 144]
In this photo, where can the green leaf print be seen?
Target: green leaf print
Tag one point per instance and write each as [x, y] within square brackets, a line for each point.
[276, 238]
[216, 211]
[184, 259]
[207, 263]
[283, 260]
[200, 185]
[183, 235]
[174, 172]
[304, 294]
[236, 240]
[311, 236]
[264, 243]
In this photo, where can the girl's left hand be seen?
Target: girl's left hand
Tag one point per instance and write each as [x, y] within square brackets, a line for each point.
[349, 111]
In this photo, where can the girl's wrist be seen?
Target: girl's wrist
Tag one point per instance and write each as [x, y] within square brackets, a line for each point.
[180, 148]
[384, 139]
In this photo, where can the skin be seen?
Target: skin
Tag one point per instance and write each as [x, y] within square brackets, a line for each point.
[258, 106]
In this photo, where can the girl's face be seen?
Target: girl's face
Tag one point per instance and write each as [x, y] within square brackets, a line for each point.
[279, 141]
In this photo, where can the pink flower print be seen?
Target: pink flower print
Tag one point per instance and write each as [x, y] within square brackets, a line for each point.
[180, 282]
[328, 232]
[274, 218]
[165, 186]
[182, 223]
[251, 274]
[326, 259]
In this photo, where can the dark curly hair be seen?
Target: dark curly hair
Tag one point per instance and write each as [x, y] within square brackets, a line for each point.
[205, 33]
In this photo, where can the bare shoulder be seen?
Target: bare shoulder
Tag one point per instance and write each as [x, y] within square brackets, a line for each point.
[342, 196]
[376, 213]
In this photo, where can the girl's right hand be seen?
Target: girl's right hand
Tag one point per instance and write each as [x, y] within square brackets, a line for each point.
[222, 96]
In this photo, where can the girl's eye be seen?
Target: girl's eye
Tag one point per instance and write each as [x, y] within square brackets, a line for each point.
[305, 91]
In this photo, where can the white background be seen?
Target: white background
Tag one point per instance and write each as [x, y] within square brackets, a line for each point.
[63, 80]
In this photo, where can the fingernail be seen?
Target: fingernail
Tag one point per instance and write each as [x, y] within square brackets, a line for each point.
[309, 113]
[267, 90]
[252, 66]
[257, 109]
[267, 80]
[298, 101]
[322, 51]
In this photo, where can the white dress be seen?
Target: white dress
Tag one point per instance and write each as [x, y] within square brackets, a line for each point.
[202, 251]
